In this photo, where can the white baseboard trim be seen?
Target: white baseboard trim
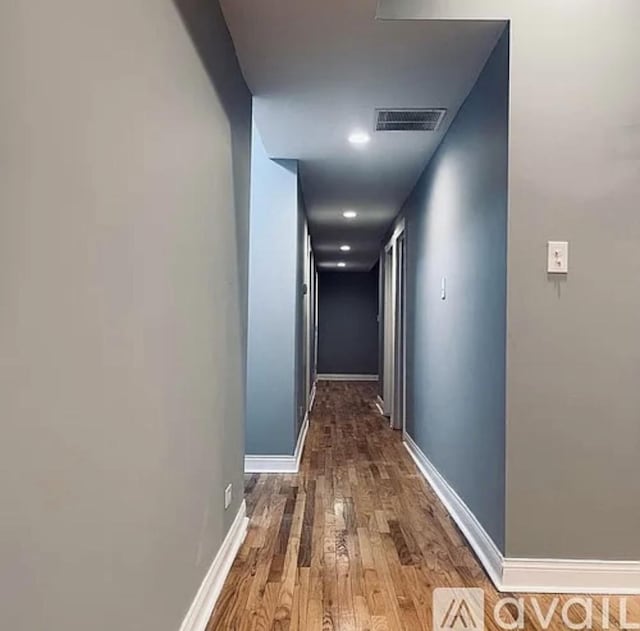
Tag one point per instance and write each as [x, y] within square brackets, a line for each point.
[279, 464]
[477, 536]
[559, 576]
[312, 397]
[550, 576]
[202, 606]
[302, 437]
[345, 377]
[380, 406]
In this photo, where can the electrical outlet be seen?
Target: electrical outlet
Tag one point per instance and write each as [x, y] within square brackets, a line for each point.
[228, 496]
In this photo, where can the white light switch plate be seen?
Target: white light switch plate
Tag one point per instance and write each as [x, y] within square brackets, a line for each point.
[558, 257]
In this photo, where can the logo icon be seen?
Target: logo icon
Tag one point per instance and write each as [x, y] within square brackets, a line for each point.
[458, 609]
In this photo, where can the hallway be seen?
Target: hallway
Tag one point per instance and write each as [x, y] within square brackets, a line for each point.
[356, 541]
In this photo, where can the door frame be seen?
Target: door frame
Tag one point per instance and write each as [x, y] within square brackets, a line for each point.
[387, 337]
[309, 321]
[394, 331]
[399, 418]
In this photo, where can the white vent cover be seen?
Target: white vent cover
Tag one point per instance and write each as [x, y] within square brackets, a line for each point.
[409, 119]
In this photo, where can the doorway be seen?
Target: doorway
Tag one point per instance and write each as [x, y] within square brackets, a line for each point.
[394, 331]
[309, 320]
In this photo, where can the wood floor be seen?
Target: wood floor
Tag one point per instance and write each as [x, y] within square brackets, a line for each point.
[357, 541]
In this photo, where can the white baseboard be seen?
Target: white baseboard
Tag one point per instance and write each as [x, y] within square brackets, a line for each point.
[477, 536]
[559, 576]
[552, 576]
[279, 464]
[312, 397]
[202, 606]
[302, 437]
[345, 377]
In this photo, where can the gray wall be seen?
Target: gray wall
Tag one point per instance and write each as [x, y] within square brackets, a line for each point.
[347, 322]
[456, 227]
[208, 30]
[573, 401]
[274, 305]
[121, 393]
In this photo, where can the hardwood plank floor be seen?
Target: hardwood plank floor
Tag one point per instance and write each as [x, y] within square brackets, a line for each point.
[357, 541]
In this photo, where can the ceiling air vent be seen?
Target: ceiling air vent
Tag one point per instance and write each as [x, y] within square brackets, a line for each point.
[409, 120]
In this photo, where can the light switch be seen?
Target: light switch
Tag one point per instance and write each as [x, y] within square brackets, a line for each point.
[443, 288]
[558, 257]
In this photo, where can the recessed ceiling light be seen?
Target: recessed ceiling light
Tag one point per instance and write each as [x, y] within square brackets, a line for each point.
[349, 214]
[342, 264]
[345, 248]
[359, 138]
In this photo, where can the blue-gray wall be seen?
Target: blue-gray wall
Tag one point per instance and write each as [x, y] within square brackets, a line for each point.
[573, 349]
[456, 228]
[274, 332]
[348, 322]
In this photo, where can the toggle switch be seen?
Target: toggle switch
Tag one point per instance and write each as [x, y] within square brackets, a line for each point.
[558, 257]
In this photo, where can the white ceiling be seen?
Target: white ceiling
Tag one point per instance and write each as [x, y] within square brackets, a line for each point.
[318, 69]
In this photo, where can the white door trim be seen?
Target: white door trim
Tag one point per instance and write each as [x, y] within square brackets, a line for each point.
[391, 314]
